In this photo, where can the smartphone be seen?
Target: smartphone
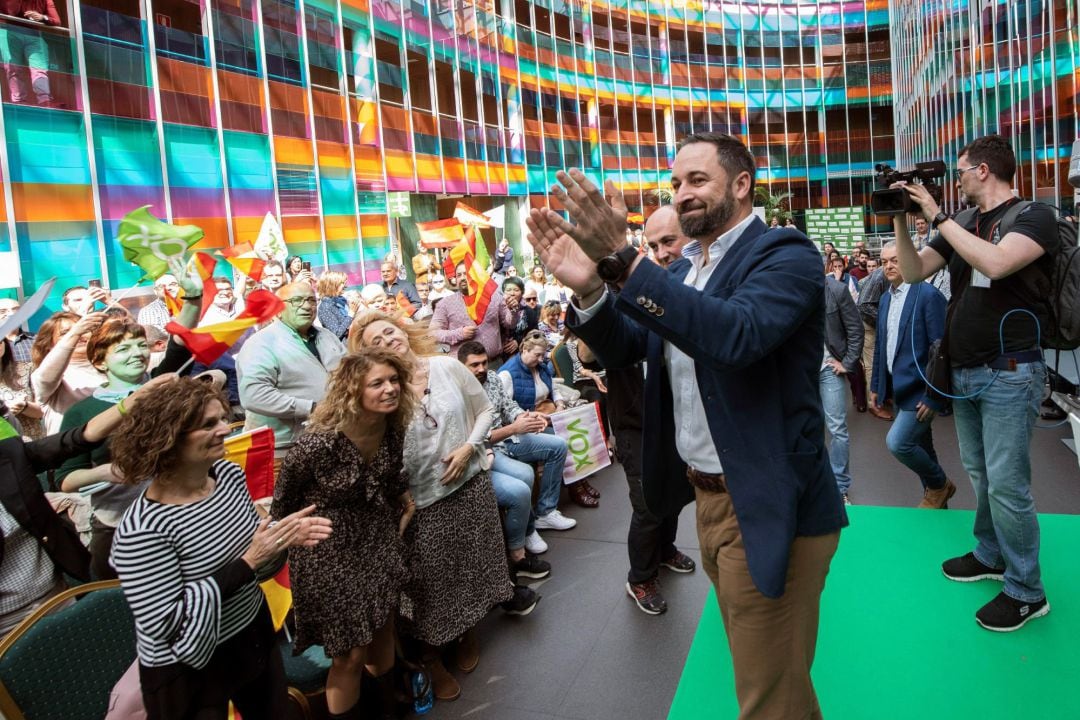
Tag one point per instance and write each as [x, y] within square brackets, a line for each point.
[93, 283]
[305, 265]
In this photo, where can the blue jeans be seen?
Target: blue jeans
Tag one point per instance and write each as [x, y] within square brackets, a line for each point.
[912, 443]
[548, 448]
[834, 403]
[513, 482]
[994, 430]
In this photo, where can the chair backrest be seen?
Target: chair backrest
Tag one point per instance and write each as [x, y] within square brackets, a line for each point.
[62, 662]
[564, 366]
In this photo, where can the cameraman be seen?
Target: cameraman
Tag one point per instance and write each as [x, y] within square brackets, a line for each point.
[996, 365]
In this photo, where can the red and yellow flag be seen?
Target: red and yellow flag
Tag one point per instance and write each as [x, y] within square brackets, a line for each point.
[209, 342]
[405, 304]
[174, 304]
[470, 216]
[205, 265]
[481, 286]
[245, 259]
[254, 452]
[440, 233]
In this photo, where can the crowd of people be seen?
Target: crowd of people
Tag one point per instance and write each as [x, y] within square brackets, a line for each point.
[416, 464]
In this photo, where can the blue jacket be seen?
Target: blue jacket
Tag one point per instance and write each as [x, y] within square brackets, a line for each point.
[924, 312]
[524, 384]
[756, 333]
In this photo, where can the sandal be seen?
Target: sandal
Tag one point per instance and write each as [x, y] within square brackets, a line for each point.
[591, 490]
[580, 496]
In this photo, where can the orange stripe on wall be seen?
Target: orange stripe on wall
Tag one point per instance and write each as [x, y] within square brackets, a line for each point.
[293, 151]
[216, 231]
[333, 154]
[48, 202]
[374, 226]
[301, 228]
[340, 227]
[454, 168]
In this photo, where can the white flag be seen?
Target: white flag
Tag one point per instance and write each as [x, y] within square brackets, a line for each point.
[270, 245]
[497, 216]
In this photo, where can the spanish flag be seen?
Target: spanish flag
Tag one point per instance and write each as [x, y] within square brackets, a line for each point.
[209, 342]
[440, 233]
[405, 304]
[481, 286]
[469, 216]
[254, 452]
[245, 259]
[174, 304]
[204, 266]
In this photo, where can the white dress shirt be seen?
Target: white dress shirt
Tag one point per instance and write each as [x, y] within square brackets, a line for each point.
[892, 322]
[693, 441]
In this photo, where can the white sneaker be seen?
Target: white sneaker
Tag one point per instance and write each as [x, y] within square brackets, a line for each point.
[535, 544]
[554, 520]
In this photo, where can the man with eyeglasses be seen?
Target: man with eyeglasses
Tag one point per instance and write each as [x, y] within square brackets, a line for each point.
[157, 312]
[992, 340]
[283, 368]
[226, 305]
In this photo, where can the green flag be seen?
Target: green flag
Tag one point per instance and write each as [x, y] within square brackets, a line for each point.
[151, 243]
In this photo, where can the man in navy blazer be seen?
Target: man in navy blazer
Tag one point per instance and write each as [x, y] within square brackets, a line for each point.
[733, 342]
[909, 319]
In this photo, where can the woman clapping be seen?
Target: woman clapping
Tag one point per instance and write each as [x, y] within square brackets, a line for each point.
[349, 463]
[190, 552]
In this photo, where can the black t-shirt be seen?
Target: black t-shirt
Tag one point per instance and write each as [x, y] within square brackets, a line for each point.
[976, 333]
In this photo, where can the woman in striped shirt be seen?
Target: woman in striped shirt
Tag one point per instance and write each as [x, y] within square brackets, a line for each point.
[190, 552]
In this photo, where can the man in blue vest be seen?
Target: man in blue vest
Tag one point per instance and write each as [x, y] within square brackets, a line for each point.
[733, 342]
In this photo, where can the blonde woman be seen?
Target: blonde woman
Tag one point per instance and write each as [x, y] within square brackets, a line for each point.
[459, 560]
[348, 463]
[333, 309]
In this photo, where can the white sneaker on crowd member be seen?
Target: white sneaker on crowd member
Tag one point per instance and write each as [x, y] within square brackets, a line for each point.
[535, 544]
[554, 520]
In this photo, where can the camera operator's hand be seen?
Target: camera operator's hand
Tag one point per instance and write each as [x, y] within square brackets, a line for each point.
[921, 197]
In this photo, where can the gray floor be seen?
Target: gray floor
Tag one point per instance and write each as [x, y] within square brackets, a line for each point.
[588, 653]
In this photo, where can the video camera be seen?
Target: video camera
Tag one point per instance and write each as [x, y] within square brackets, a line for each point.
[896, 201]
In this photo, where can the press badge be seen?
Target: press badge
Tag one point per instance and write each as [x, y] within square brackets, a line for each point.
[977, 278]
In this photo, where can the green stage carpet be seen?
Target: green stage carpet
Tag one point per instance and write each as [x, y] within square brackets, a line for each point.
[898, 640]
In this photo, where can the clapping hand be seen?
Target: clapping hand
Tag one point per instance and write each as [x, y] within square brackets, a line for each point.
[300, 529]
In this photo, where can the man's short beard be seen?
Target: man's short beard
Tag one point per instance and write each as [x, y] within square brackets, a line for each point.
[708, 224]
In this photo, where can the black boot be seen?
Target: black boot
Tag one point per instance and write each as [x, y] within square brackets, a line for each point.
[352, 713]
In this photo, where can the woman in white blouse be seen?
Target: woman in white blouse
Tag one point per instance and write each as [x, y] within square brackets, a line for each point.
[457, 520]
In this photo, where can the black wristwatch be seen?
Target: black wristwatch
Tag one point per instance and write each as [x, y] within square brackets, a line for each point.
[611, 268]
[939, 218]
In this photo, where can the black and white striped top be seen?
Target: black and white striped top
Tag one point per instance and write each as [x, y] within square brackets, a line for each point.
[181, 571]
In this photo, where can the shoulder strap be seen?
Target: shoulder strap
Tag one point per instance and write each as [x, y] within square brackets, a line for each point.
[1011, 214]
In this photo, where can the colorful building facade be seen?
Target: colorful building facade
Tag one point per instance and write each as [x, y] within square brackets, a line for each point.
[966, 69]
[215, 112]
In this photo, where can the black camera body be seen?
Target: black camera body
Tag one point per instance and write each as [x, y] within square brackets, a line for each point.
[896, 201]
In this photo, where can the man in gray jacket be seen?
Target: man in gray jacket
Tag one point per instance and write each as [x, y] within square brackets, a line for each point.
[843, 348]
[284, 367]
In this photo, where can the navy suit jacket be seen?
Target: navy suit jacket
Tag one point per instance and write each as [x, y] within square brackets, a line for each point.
[924, 312]
[756, 334]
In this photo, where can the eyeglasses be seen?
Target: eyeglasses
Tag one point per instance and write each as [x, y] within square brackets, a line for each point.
[532, 299]
[301, 300]
[429, 421]
[960, 171]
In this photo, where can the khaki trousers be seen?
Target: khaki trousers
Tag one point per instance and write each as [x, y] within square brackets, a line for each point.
[772, 641]
[869, 338]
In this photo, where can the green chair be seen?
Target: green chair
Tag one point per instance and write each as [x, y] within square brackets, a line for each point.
[564, 366]
[61, 663]
[306, 675]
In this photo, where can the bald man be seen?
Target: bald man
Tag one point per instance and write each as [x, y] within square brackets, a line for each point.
[664, 236]
[650, 541]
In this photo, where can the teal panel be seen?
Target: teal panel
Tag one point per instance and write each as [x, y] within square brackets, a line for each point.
[337, 192]
[247, 156]
[192, 157]
[126, 151]
[46, 146]
[66, 250]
